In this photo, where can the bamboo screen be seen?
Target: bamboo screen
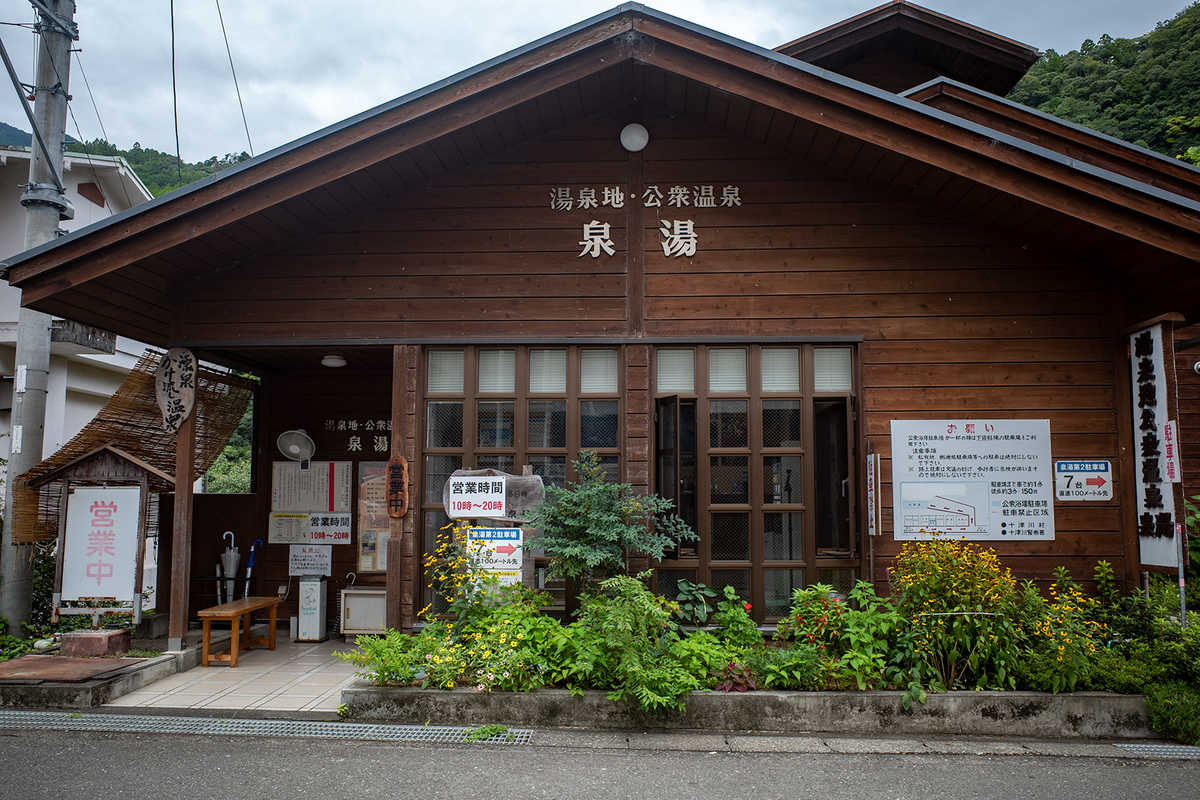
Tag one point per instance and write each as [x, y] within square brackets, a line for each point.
[131, 421]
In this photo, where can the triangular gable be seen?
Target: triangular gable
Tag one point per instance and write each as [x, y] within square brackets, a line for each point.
[900, 44]
[124, 274]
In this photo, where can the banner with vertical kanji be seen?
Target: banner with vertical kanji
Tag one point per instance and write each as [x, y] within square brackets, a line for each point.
[101, 543]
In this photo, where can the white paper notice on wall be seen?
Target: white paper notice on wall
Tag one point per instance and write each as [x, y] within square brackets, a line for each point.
[310, 559]
[983, 480]
[325, 486]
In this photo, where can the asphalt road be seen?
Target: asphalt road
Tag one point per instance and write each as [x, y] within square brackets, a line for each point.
[73, 764]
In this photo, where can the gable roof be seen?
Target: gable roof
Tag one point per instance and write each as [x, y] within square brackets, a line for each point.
[891, 45]
[122, 274]
[1172, 175]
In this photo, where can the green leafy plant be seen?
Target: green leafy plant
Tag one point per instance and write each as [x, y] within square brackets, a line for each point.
[487, 732]
[959, 598]
[1174, 709]
[696, 602]
[869, 630]
[701, 653]
[734, 677]
[11, 646]
[799, 666]
[454, 572]
[734, 625]
[816, 616]
[623, 639]
[591, 524]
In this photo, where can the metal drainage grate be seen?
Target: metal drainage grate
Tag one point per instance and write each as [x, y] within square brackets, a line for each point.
[1162, 750]
[132, 723]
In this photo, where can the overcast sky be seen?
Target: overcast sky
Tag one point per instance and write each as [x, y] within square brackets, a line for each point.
[305, 64]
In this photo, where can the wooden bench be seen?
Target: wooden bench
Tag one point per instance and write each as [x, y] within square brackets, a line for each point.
[235, 612]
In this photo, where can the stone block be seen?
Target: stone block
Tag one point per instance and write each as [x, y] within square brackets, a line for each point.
[95, 643]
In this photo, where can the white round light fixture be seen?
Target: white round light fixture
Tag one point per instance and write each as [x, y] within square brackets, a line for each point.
[634, 137]
[333, 360]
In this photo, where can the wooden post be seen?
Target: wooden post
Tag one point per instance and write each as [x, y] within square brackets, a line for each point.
[401, 614]
[181, 533]
[410, 554]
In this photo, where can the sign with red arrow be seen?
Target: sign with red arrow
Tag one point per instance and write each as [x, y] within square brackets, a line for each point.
[500, 549]
[1083, 480]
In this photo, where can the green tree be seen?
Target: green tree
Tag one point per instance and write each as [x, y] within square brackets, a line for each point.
[1144, 90]
[591, 524]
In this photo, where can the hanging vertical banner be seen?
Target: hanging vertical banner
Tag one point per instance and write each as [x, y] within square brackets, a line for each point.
[1159, 501]
[374, 525]
[175, 386]
[101, 543]
[873, 494]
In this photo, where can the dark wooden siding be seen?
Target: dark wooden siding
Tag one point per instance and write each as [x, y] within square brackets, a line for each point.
[307, 400]
[958, 320]
[480, 254]
[1188, 386]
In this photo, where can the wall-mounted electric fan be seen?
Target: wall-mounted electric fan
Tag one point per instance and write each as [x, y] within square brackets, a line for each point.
[297, 446]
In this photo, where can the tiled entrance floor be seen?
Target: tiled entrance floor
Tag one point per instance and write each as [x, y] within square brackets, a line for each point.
[295, 677]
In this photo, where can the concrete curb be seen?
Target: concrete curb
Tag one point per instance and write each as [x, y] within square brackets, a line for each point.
[98, 691]
[1085, 715]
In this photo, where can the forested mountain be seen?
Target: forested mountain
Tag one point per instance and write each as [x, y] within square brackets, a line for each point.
[161, 172]
[1145, 90]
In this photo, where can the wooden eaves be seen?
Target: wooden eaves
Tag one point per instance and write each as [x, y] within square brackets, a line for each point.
[140, 263]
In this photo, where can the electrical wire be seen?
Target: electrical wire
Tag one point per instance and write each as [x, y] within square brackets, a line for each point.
[175, 102]
[237, 88]
[103, 132]
[78, 131]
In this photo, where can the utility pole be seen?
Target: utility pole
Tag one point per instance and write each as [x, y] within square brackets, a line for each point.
[46, 205]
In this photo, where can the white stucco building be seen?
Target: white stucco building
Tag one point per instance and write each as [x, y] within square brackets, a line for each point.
[86, 366]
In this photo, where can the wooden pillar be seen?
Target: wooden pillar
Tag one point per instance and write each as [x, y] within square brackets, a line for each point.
[181, 532]
[403, 579]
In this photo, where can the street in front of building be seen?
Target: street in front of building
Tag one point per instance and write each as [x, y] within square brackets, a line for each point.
[583, 764]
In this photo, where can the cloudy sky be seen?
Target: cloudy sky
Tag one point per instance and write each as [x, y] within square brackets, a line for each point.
[305, 64]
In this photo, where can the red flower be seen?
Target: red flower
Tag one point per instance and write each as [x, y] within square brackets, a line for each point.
[747, 606]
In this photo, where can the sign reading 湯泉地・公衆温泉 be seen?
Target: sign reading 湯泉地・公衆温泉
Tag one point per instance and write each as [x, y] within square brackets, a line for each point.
[1082, 480]
[979, 479]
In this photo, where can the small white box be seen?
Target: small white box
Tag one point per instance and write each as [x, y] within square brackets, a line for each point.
[364, 610]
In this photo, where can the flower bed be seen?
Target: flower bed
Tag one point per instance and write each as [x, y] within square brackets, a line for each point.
[956, 620]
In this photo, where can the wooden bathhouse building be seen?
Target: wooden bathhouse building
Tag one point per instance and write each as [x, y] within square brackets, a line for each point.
[825, 296]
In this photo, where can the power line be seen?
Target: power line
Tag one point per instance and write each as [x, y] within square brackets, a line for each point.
[237, 88]
[175, 101]
[79, 131]
[103, 132]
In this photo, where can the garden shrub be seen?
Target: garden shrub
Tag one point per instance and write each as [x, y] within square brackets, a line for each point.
[815, 617]
[1174, 709]
[591, 524]
[958, 598]
[869, 630]
[735, 628]
[798, 666]
[624, 641]
[1062, 643]
[701, 653]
